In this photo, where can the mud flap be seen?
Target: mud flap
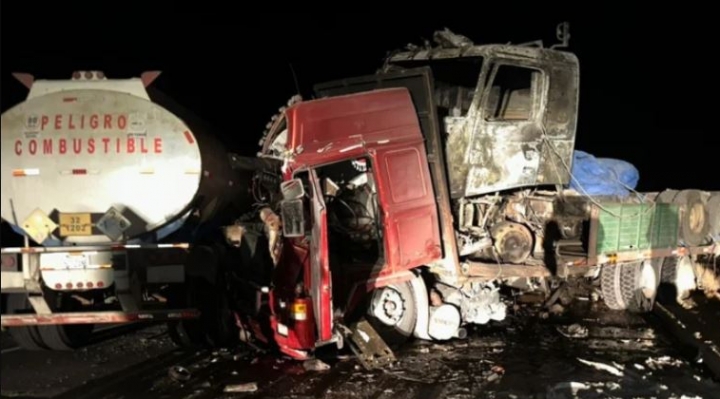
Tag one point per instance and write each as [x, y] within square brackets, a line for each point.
[371, 350]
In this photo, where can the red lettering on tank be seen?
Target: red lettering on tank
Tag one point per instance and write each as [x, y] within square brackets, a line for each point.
[47, 146]
[61, 146]
[77, 145]
[122, 122]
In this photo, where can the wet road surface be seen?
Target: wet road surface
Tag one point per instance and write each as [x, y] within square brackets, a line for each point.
[588, 352]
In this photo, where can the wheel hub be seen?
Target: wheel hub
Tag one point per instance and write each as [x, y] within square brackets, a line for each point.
[388, 306]
[697, 217]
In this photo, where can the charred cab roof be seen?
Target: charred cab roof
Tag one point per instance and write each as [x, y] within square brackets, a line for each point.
[450, 45]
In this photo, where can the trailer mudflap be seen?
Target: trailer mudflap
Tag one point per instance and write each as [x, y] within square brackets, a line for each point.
[19, 320]
[371, 350]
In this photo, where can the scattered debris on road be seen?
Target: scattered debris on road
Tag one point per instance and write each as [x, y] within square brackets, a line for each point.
[315, 365]
[573, 331]
[235, 388]
[179, 373]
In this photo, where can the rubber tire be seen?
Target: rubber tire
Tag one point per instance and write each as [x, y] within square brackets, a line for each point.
[688, 199]
[401, 332]
[27, 337]
[66, 337]
[217, 316]
[713, 208]
[216, 325]
[669, 271]
[186, 334]
[189, 333]
[620, 287]
[667, 196]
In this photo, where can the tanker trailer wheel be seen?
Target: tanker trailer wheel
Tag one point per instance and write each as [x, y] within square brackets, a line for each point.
[188, 333]
[695, 222]
[65, 337]
[216, 314]
[211, 296]
[631, 286]
[27, 337]
[184, 333]
[393, 312]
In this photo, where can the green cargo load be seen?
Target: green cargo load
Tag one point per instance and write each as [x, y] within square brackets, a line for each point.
[623, 227]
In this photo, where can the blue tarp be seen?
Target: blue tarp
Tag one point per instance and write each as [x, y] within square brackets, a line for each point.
[602, 176]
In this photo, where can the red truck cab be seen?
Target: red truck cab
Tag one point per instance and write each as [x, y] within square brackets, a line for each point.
[358, 211]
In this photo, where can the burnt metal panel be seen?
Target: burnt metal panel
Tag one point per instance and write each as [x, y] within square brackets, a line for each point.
[486, 156]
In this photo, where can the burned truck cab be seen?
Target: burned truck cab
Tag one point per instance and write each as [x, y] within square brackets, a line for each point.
[507, 116]
[510, 113]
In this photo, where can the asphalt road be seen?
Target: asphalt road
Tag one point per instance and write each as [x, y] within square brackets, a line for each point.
[604, 355]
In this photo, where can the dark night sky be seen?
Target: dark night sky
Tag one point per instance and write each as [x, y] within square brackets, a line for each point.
[647, 83]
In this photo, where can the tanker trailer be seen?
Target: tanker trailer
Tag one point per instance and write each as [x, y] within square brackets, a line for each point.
[109, 181]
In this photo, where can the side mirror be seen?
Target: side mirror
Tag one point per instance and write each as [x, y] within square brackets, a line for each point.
[292, 213]
[292, 189]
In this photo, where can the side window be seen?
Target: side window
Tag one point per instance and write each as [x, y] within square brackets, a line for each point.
[513, 94]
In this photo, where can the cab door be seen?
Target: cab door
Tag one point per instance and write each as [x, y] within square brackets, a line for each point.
[320, 279]
[506, 145]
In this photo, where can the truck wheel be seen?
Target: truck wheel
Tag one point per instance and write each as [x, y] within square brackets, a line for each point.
[695, 222]
[27, 337]
[713, 207]
[667, 196]
[630, 286]
[65, 337]
[185, 333]
[393, 313]
[216, 325]
[669, 270]
[217, 315]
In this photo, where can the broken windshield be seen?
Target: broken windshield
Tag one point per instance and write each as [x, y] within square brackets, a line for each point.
[456, 80]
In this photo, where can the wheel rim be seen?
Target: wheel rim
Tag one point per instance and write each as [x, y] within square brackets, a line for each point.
[697, 217]
[389, 306]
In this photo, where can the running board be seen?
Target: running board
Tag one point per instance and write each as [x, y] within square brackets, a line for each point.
[18, 320]
[371, 350]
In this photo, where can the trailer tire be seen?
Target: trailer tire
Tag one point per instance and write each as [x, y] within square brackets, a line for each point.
[216, 325]
[27, 337]
[66, 337]
[630, 286]
[695, 222]
[217, 316]
[669, 270]
[667, 196]
[713, 207]
[186, 333]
